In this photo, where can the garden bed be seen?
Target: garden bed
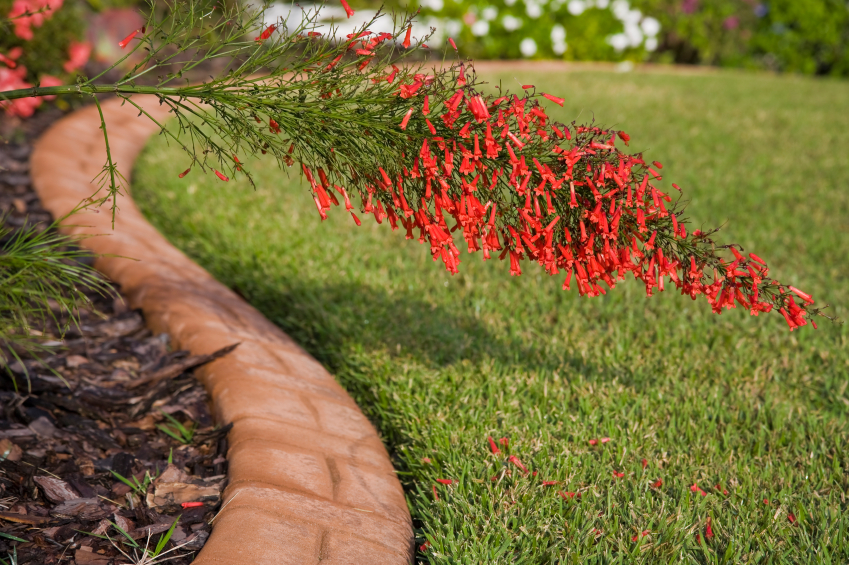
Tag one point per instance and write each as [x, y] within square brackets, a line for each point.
[81, 434]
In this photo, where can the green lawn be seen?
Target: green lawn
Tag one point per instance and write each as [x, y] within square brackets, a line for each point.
[439, 363]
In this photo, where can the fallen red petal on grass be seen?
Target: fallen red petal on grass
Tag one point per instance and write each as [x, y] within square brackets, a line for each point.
[593, 442]
[568, 495]
[492, 446]
[696, 488]
[644, 463]
[766, 501]
[708, 530]
[642, 534]
[617, 475]
[504, 441]
[435, 495]
[444, 481]
[423, 547]
[426, 460]
[657, 484]
[792, 518]
[605, 439]
[515, 461]
[548, 483]
[192, 504]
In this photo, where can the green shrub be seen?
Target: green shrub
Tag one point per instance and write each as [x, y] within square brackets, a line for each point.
[598, 30]
[805, 36]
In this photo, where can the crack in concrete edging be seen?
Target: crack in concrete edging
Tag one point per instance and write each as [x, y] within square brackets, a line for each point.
[310, 480]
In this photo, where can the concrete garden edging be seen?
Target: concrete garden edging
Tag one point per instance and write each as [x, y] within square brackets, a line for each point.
[309, 479]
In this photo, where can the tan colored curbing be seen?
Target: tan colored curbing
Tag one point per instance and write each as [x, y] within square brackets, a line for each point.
[310, 481]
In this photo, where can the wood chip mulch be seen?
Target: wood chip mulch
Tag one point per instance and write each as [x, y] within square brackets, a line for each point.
[76, 433]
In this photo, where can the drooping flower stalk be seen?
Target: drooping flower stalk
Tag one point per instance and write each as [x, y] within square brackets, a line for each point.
[432, 151]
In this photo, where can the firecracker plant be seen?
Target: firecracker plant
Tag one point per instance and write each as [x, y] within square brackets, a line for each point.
[427, 151]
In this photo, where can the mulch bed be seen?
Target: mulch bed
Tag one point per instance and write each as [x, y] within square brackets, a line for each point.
[73, 433]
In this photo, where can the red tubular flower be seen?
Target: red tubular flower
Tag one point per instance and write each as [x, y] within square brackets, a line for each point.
[124, 42]
[356, 219]
[348, 11]
[266, 33]
[451, 41]
[191, 504]
[549, 483]
[406, 118]
[444, 481]
[708, 530]
[221, 175]
[557, 100]
[406, 43]
[184, 173]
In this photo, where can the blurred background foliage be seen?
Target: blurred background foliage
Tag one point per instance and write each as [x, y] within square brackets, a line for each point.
[800, 36]
[797, 36]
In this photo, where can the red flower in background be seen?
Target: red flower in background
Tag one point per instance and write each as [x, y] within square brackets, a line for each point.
[78, 55]
[38, 10]
[13, 79]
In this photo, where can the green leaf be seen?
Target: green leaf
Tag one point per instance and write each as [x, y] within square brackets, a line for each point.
[163, 539]
[130, 540]
[11, 537]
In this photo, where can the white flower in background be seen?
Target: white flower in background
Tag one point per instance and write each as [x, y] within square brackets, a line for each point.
[509, 2]
[602, 4]
[620, 9]
[651, 44]
[558, 39]
[435, 5]
[651, 27]
[634, 35]
[480, 28]
[528, 47]
[558, 33]
[453, 27]
[491, 12]
[533, 9]
[511, 23]
[618, 41]
[576, 7]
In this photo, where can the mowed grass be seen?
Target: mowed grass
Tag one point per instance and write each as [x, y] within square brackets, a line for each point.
[756, 416]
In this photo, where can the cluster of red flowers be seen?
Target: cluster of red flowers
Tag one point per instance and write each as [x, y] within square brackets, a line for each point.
[24, 15]
[520, 186]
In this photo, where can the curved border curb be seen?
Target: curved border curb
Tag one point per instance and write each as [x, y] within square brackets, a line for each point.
[309, 479]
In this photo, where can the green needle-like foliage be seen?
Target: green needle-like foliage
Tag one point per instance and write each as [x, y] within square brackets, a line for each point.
[42, 281]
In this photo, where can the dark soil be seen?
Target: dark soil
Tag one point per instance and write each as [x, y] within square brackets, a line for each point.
[75, 429]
